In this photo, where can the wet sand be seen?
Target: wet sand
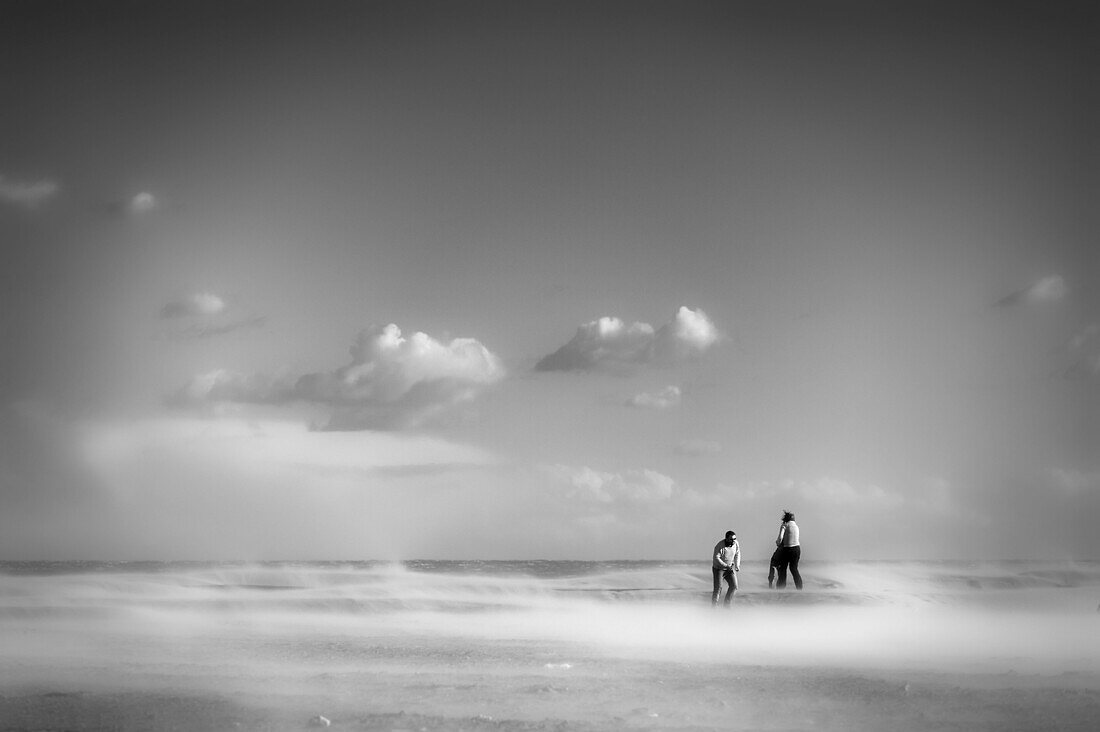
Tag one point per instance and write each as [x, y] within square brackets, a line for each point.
[523, 690]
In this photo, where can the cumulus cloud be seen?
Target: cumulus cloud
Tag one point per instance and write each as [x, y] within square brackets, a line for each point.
[392, 382]
[666, 398]
[609, 343]
[197, 305]
[1048, 289]
[689, 334]
[27, 195]
[632, 486]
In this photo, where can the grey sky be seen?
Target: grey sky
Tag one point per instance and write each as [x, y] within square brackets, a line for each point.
[886, 213]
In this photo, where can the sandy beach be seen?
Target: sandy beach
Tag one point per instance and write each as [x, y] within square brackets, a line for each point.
[372, 649]
[745, 698]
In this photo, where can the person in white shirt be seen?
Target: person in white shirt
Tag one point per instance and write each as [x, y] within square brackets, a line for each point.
[725, 564]
[790, 549]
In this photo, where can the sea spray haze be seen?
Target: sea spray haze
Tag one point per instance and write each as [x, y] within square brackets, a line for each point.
[576, 643]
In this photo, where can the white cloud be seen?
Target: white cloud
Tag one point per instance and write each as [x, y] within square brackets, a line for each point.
[27, 195]
[632, 486]
[1047, 289]
[143, 202]
[698, 447]
[398, 382]
[688, 335]
[200, 304]
[392, 382]
[666, 398]
[610, 343]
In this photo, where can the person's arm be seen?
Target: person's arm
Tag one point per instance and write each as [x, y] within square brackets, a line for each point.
[782, 531]
[718, 555]
[736, 556]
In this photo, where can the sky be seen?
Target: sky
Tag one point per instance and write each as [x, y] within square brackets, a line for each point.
[293, 280]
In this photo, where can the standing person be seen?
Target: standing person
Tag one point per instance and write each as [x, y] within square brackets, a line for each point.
[725, 564]
[790, 551]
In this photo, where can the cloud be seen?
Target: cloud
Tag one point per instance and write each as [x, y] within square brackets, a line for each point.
[143, 202]
[666, 398]
[204, 315]
[688, 335]
[27, 195]
[1075, 482]
[209, 330]
[198, 305]
[633, 486]
[789, 492]
[1084, 352]
[609, 343]
[266, 446]
[221, 385]
[392, 382]
[1048, 289]
[698, 447]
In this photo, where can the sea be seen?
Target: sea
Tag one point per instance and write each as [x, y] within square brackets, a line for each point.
[550, 644]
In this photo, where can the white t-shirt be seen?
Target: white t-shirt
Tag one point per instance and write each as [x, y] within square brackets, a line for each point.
[788, 534]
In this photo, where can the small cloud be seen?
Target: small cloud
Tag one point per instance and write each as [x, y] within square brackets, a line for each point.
[221, 385]
[209, 330]
[201, 304]
[1084, 352]
[1047, 289]
[609, 343]
[1075, 482]
[143, 202]
[26, 195]
[632, 486]
[666, 398]
[392, 382]
[690, 334]
[790, 492]
[698, 447]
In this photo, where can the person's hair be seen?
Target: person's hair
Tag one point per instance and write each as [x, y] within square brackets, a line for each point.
[731, 534]
[787, 516]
